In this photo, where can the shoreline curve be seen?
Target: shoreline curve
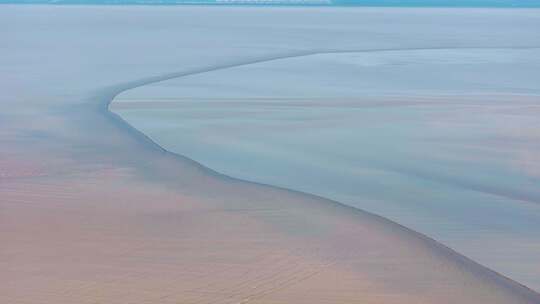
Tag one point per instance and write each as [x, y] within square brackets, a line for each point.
[103, 98]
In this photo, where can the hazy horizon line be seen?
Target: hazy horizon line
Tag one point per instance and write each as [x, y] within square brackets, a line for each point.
[325, 3]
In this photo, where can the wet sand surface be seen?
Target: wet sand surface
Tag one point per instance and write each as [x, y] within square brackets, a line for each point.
[92, 211]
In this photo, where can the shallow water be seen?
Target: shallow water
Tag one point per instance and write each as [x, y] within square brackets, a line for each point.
[443, 141]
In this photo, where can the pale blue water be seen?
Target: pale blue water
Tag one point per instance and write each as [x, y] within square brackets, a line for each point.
[443, 141]
[382, 3]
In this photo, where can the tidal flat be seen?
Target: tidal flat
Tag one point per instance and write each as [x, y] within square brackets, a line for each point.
[95, 208]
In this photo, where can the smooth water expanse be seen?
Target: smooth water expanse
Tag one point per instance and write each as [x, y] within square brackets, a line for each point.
[443, 140]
